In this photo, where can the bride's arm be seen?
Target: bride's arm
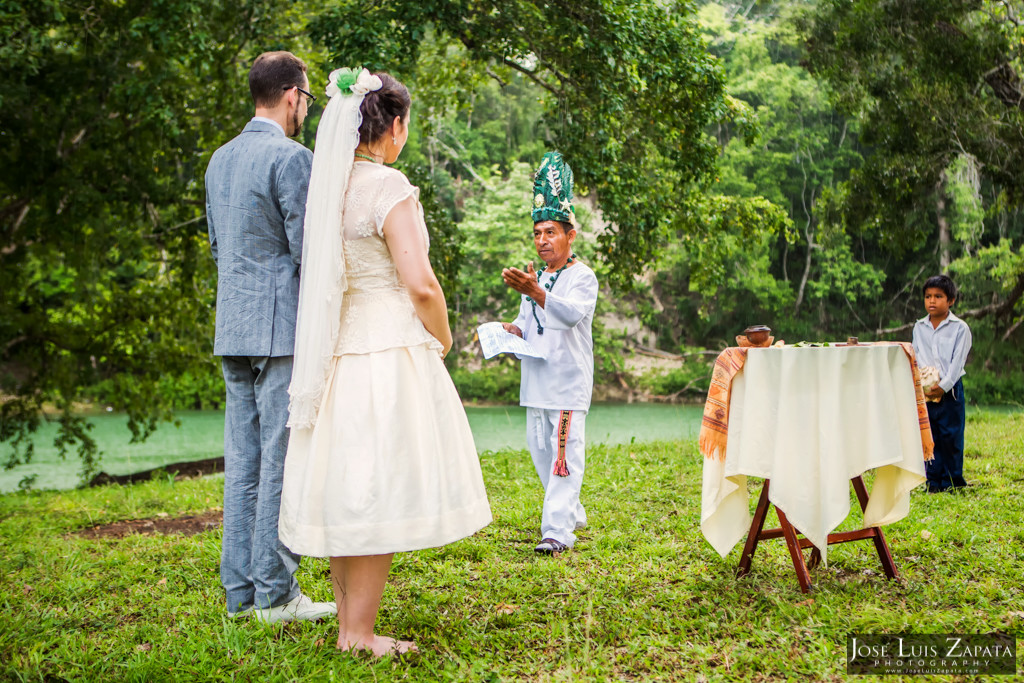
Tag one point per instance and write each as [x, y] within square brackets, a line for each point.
[409, 250]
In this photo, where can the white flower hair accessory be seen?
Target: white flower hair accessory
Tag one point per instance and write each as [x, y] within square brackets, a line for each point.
[352, 82]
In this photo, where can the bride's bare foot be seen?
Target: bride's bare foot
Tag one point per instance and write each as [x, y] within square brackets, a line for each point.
[379, 646]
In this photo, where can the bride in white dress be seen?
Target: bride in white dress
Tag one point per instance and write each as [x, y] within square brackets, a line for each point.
[380, 457]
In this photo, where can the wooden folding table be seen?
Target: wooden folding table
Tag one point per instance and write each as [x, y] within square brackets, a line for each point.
[811, 421]
[797, 545]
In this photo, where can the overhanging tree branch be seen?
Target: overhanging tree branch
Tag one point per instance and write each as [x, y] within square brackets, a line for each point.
[532, 75]
[1002, 307]
[998, 308]
[894, 330]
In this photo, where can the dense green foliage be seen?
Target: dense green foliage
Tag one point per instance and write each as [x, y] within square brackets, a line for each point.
[496, 382]
[723, 183]
[837, 270]
[935, 88]
[111, 109]
[641, 597]
[629, 91]
[108, 114]
[834, 155]
[942, 107]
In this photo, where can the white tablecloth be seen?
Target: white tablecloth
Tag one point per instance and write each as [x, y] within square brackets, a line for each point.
[810, 419]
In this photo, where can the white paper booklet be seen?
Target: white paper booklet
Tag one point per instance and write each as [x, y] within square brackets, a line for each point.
[494, 340]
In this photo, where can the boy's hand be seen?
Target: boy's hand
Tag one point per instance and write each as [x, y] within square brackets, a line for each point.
[934, 391]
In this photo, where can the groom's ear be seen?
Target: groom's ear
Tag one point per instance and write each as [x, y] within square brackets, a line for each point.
[291, 96]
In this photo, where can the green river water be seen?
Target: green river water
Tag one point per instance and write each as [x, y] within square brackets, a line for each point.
[201, 435]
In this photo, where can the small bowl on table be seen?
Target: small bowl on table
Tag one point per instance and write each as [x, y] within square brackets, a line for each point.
[758, 336]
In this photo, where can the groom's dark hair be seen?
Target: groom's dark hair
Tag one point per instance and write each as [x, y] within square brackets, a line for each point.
[271, 74]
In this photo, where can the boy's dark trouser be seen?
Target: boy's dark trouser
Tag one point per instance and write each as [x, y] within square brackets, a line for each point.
[947, 418]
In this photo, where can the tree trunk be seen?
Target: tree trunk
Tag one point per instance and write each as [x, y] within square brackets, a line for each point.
[811, 246]
[940, 212]
[809, 234]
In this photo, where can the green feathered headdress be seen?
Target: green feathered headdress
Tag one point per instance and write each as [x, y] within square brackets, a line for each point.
[552, 190]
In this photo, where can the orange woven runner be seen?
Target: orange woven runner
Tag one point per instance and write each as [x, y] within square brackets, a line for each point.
[714, 425]
[927, 443]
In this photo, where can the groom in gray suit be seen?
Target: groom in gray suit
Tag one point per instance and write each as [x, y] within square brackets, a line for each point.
[255, 206]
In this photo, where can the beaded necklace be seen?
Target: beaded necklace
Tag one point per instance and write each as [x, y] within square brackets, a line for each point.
[549, 286]
[364, 156]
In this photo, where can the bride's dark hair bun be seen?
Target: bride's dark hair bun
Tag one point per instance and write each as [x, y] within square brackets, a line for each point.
[380, 107]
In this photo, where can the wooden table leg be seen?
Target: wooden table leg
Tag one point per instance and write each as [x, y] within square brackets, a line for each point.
[881, 546]
[793, 543]
[815, 559]
[753, 536]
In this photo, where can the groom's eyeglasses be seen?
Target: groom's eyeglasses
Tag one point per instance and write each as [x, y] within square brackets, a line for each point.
[311, 96]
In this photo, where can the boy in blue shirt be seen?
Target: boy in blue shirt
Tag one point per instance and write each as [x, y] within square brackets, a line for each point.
[942, 341]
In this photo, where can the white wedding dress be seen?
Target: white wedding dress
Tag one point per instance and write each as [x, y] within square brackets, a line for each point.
[390, 463]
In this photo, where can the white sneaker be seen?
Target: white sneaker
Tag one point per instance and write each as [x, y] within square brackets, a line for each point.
[240, 614]
[298, 609]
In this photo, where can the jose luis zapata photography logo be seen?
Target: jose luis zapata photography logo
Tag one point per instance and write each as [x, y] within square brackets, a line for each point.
[935, 654]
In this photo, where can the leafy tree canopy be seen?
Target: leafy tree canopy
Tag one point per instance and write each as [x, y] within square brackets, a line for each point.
[936, 87]
[629, 89]
[930, 81]
[108, 112]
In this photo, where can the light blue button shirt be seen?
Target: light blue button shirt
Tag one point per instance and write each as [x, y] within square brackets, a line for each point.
[264, 119]
[944, 347]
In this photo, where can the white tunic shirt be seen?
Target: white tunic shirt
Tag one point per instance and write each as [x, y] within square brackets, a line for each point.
[944, 347]
[564, 378]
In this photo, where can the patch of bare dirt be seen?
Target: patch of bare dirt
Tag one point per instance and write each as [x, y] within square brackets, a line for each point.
[188, 525]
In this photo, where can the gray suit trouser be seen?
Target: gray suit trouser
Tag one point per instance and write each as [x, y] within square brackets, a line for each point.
[256, 569]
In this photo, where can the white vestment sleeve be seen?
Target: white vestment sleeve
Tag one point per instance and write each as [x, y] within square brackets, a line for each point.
[566, 311]
[524, 311]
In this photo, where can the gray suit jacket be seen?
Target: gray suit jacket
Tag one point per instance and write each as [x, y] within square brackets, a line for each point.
[255, 206]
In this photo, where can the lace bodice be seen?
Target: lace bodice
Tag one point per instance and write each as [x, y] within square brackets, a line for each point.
[376, 312]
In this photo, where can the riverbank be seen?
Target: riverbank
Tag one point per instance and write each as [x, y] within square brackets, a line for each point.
[200, 435]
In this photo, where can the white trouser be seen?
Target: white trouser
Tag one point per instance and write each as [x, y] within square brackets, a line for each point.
[563, 512]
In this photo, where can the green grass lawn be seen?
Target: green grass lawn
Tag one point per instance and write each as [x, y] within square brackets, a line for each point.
[642, 597]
